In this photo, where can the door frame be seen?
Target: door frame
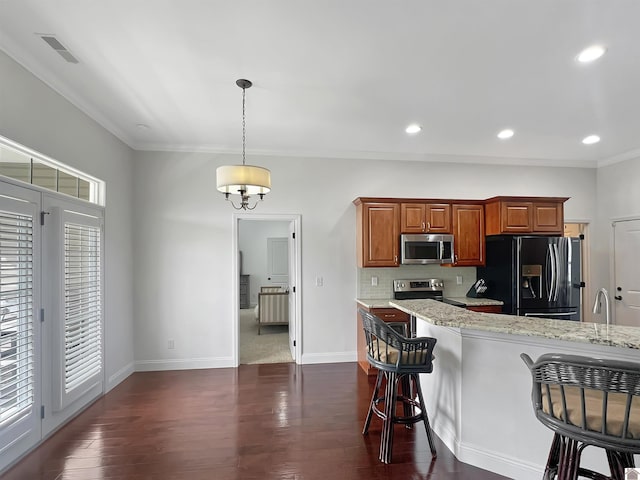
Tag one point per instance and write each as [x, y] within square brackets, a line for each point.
[612, 259]
[296, 282]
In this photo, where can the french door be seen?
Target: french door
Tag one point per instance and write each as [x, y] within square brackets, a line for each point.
[20, 332]
[51, 322]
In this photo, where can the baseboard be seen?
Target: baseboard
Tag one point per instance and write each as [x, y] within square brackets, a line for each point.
[499, 463]
[119, 376]
[486, 459]
[184, 364]
[333, 357]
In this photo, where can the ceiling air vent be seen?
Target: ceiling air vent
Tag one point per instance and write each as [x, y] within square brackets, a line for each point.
[58, 47]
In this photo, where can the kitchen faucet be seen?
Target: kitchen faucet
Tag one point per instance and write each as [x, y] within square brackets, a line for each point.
[598, 304]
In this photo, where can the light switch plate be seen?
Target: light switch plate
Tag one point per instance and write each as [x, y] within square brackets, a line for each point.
[374, 281]
[458, 279]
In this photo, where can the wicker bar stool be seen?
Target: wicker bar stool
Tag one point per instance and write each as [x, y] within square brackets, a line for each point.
[587, 401]
[399, 361]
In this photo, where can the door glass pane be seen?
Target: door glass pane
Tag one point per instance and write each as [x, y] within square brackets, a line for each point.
[83, 309]
[16, 316]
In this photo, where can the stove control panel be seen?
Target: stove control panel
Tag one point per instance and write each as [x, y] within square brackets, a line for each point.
[418, 285]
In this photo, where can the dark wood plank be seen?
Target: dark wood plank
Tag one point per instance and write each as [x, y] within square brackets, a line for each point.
[276, 421]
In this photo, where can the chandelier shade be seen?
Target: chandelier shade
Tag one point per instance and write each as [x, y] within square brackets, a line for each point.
[243, 179]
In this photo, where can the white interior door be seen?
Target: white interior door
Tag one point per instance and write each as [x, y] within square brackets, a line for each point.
[278, 261]
[292, 290]
[626, 273]
[20, 371]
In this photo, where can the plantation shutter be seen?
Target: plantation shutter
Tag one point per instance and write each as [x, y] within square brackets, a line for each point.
[16, 316]
[82, 304]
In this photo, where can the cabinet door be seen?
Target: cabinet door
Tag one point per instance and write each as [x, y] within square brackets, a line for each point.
[412, 217]
[468, 230]
[548, 218]
[381, 237]
[438, 217]
[516, 217]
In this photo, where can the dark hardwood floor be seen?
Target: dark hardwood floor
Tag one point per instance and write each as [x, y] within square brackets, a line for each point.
[276, 421]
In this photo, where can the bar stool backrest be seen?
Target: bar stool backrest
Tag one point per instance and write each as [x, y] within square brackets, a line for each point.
[390, 351]
[595, 401]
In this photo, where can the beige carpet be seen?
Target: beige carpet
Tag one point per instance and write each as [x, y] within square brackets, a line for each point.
[271, 346]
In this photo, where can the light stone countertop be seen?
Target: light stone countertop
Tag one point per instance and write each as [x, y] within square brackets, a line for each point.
[442, 314]
[374, 302]
[384, 302]
[475, 302]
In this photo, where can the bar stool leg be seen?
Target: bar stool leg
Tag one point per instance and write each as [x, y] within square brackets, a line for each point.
[367, 422]
[408, 409]
[386, 438]
[554, 457]
[425, 418]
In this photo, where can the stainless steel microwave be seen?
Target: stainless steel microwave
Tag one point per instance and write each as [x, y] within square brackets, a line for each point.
[423, 249]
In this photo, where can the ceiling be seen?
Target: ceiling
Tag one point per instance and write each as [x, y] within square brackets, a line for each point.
[343, 78]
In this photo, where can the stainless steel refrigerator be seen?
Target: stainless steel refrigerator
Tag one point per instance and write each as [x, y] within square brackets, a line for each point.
[534, 276]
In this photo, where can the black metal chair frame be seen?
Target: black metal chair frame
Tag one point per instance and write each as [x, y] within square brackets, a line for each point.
[399, 361]
[586, 375]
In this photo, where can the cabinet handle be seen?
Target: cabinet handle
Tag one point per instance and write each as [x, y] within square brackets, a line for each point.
[423, 226]
[389, 315]
[428, 226]
[395, 258]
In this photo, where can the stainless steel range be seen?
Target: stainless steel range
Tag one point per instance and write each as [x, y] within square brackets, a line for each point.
[432, 288]
[417, 288]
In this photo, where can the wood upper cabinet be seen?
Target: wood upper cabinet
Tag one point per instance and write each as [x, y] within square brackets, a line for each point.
[425, 218]
[377, 233]
[468, 232]
[525, 215]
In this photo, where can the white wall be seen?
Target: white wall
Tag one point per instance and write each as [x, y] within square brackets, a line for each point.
[618, 195]
[183, 241]
[35, 116]
[252, 242]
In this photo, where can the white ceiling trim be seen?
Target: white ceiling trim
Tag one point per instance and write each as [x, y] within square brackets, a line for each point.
[51, 80]
[631, 154]
[378, 156]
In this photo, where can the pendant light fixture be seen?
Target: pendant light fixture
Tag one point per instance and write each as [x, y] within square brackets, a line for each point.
[244, 180]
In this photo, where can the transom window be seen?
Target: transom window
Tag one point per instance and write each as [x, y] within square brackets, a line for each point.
[21, 163]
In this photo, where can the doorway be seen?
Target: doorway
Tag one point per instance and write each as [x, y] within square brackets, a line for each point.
[580, 230]
[266, 293]
[626, 277]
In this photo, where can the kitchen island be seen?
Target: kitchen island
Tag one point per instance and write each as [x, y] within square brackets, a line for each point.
[479, 394]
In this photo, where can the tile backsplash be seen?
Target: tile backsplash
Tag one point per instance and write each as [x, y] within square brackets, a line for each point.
[386, 276]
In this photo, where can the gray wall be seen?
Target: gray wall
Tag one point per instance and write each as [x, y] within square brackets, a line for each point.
[183, 241]
[34, 115]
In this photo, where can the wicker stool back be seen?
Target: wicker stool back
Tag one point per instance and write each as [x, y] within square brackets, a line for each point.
[399, 361]
[587, 401]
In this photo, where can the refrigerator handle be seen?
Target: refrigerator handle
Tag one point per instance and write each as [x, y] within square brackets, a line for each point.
[548, 272]
[552, 265]
[557, 271]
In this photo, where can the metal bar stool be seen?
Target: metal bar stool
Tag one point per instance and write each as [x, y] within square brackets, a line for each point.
[587, 401]
[399, 361]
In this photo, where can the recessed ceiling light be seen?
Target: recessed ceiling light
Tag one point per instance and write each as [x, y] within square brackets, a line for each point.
[591, 139]
[413, 128]
[506, 133]
[591, 53]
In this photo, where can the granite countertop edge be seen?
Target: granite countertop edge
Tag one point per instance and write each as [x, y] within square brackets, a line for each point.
[441, 314]
[384, 302]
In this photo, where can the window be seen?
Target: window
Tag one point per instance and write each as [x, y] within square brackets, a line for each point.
[21, 163]
[16, 316]
[82, 305]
